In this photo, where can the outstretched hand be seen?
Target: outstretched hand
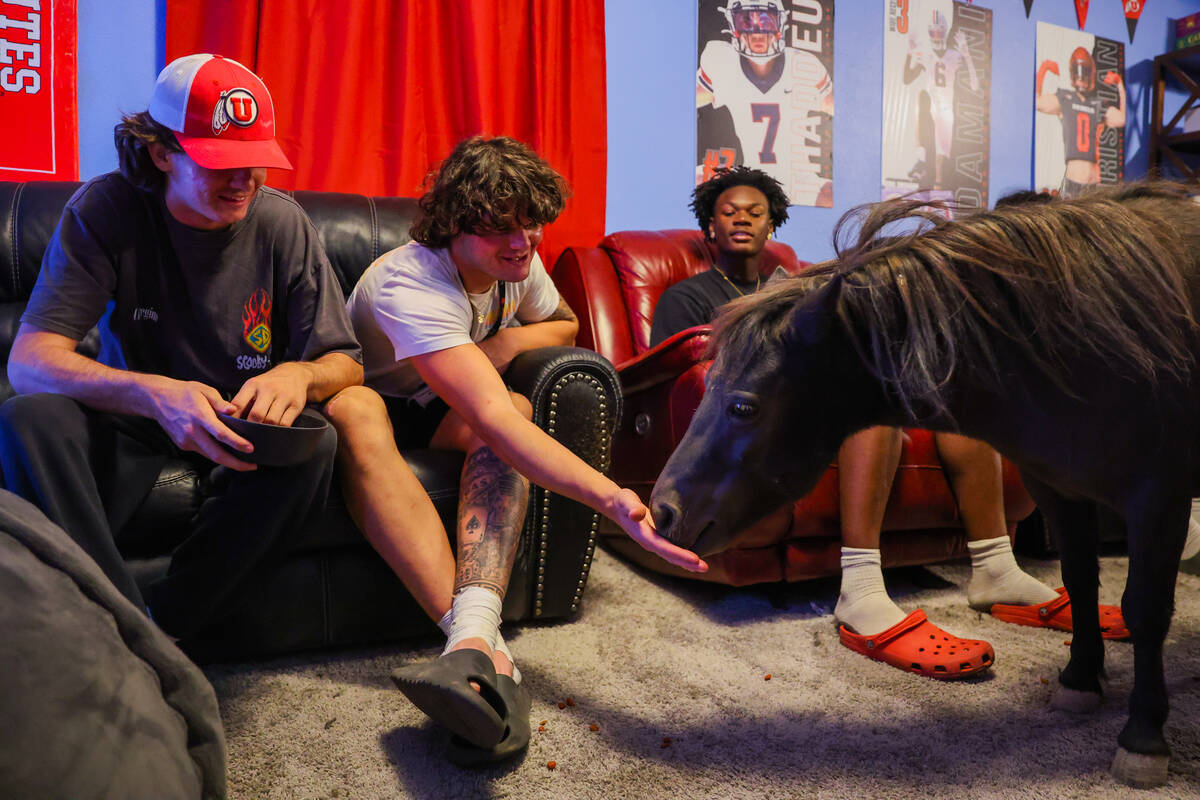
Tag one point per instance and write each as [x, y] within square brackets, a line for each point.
[635, 519]
[187, 411]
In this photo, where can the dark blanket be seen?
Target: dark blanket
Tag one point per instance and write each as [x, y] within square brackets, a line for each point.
[96, 701]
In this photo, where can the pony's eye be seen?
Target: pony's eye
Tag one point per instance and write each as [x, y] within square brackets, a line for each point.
[742, 409]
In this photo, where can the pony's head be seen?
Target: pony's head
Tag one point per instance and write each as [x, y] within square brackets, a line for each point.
[778, 401]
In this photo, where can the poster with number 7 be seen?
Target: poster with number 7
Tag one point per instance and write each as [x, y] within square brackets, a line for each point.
[1079, 122]
[764, 92]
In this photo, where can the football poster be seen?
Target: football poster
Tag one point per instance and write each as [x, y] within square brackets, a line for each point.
[1079, 117]
[937, 79]
[764, 93]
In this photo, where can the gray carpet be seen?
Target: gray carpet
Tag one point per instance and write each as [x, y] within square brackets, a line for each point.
[651, 658]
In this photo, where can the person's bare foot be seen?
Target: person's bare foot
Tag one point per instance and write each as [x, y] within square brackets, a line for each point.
[503, 665]
[499, 660]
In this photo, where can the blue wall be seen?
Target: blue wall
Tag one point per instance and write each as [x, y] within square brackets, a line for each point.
[121, 49]
[651, 98]
[652, 118]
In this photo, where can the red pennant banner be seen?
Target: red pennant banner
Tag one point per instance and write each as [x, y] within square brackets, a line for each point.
[38, 101]
[1028, 5]
[1081, 8]
[1133, 10]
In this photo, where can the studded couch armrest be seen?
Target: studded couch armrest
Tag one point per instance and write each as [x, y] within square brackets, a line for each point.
[576, 398]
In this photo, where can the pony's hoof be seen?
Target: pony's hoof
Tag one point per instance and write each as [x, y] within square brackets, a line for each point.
[1138, 770]
[1074, 700]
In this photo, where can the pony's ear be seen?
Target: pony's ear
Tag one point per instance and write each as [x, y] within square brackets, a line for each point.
[814, 315]
[780, 274]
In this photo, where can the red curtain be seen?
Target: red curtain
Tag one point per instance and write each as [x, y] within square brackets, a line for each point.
[370, 95]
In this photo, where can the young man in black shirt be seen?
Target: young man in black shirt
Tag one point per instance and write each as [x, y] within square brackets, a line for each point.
[212, 294]
[738, 210]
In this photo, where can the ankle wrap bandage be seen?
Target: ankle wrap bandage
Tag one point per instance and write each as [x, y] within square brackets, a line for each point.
[475, 614]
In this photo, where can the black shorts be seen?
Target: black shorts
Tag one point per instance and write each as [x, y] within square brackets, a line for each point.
[413, 424]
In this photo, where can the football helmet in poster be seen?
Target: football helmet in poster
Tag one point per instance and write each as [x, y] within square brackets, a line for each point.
[937, 61]
[1079, 124]
[764, 92]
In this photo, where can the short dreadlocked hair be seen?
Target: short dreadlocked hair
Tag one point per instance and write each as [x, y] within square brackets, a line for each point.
[704, 197]
[485, 186]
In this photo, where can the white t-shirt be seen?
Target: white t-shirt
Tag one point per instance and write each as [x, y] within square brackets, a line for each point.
[411, 301]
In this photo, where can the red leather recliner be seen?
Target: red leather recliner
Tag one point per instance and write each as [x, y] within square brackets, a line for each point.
[613, 289]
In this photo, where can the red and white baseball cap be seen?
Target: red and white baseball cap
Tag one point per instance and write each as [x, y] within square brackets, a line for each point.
[220, 111]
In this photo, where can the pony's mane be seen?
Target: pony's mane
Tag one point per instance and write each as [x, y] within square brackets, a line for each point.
[1089, 275]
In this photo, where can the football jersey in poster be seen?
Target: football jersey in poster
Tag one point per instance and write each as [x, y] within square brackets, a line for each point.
[936, 96]
[764, 93]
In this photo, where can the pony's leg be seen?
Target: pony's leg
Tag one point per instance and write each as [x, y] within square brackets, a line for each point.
[1156, 535]
[1077, 553]
[1073, 525]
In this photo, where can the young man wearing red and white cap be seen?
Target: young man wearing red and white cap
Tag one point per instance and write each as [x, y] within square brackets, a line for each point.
[212, 294]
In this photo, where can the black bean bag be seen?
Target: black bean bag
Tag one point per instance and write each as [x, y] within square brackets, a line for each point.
[96, 701]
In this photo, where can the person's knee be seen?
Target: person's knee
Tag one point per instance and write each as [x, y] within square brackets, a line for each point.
[38, 414]
[354, 409]
[522, 404]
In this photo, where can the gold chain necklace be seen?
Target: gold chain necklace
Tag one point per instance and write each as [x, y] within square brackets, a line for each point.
[757, 283]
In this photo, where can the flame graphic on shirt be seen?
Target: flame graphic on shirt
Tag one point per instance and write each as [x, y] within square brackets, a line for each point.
[256, 321]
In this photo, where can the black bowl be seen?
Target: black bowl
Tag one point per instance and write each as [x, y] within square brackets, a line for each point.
[278, 445]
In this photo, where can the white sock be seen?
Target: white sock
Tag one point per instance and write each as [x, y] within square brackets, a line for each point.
[997, 578]
[864, 605]
[1192, 545]
[475, 614]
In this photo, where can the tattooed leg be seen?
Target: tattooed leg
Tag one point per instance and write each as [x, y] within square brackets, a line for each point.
[491, 513]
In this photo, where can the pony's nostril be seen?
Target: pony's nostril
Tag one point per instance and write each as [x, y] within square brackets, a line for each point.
[665, 515]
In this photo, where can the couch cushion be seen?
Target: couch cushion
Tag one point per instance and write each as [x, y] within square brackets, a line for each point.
[355, 229]
[29, 214]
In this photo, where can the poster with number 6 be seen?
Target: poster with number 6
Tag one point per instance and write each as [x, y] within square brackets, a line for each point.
[764, 93]
[937, 73]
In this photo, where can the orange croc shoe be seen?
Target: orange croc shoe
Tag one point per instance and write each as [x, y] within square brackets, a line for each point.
[915, 644]
[1056, 614]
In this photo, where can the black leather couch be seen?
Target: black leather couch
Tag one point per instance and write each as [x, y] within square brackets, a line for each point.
[327, 586]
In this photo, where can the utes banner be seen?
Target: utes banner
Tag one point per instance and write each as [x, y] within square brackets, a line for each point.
[37, 90]
[764, 93]
[1079, 128]
[937, 77]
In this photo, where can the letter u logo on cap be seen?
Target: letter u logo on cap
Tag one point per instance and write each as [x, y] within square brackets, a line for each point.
[236, 106]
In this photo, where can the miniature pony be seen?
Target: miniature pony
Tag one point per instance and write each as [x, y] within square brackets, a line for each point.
[1064, 334]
